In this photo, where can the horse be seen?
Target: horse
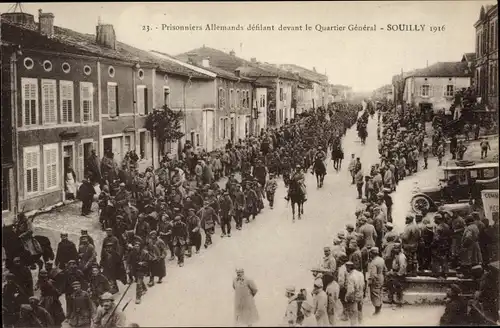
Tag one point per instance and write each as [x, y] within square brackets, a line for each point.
[297, 196]
[319, 169]
[337, 157]
[14, 247]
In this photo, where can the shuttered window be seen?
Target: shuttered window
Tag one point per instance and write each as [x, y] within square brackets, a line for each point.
[30, 101]
[142, 100]
[222, 98]
[66, 92]
[31, 169]
[231, 98]
[49, 101]
[113, 99]
[238, 99]
[221, 128]
[50, 165]
[86, 101]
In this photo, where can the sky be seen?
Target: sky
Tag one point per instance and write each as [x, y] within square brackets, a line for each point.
[364, 60]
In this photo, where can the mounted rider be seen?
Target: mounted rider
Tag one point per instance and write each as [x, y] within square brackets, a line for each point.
[320, 154]
[299, 178]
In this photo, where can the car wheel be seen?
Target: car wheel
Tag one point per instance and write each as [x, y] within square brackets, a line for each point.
[420, 204]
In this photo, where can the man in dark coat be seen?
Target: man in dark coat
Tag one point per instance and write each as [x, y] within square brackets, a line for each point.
[33, 315]
[92, 166]
[86, 194]
[113, 268]
[455, 313]
[180, 236]
[22, 276]
[13, 297]
[99, 284]
[66, 251]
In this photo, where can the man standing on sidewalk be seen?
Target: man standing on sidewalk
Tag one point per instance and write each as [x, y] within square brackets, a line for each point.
[485, 145]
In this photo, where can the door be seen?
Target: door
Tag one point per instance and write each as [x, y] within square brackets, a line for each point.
[116, 148]
[232, 127]
[208, 129]
[68, 158]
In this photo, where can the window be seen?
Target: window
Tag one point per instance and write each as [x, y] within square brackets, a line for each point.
[140, 73]
[31, 169]
[30, 101]
[248, 99]
[222, 98]
[142, 100]
[66, 67]
[47, 66]
[226, 128]
[142, 144]
[111, 71]
[28, 63]
[489, 173]
[238, 99]
[450, 92]
[166, 96]
[67, 100]
[425, 90]
[49, 109]
[197, 140]
[281, 94]
[86, 101]
[231, 98]
[87, 70]
[221, 128]
[50, 164]
[193, 135]
[473, 174]
[113, 100]
[126, 144]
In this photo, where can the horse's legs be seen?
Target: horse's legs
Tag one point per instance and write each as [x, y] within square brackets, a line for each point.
[293, 211]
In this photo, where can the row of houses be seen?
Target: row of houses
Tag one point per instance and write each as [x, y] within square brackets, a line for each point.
[433, 88]
[66, 94]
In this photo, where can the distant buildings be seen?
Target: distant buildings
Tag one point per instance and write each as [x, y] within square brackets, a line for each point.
[486, 61]
[67, 95]
[433, 88]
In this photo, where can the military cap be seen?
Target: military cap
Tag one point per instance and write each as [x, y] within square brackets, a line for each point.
[456, 289]
[318, 283]
[240, 270]
[387, 190]
[109, 230]
[192, 209]
[290, 289]
[84, 232]
[380, 195]
[153, 233]
[374, 250]
[76, 283]
[43, 272]
[107, 297]
[389, 225]
[71, 262]
[349, 263]
[34, 298]
[326, 248]
[349, 226]
[64, 234]
[341, 234]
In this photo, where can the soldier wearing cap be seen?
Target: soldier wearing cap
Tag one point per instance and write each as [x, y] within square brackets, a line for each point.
[292, 309]
[98, 284]
[66, 251]
[112, 265]
[395, 275]
[440, 247]
[158, 249]
[33, 315]
[355, 285]
[410, 239]
[226, 214]
[138, 266]
[193, 223]
[252, 203]
[113, 240]
[375, 278]
[471, 251]
[89, 238]
[180, 239]
[50, 297]
[245, 290]
[107, 316]
[80, 308]
[87, 255]
[330, 265]
[455, 313]
[320, 303]
[12, 297]
[208, 218]
[142, 228]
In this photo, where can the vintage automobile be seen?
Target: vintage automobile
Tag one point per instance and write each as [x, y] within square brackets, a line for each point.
[454, 186]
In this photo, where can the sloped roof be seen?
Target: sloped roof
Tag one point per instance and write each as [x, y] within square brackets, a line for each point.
[86, 43]
[469, 56]
[306, 73]
[443, 69]
[276, 71]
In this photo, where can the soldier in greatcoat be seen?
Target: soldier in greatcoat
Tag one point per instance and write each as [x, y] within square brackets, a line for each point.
[208, 218]
[180, 239]
[98, 284]
[158, 267]
[107, 315]
[113, 268]
[375, 278]
[50, 298]
[66, 251]
[81, 309]
[193, 223]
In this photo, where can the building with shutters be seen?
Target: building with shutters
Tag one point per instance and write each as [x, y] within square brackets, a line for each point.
[234, 117]
[486, 58]
[54, 123]
[433, 88]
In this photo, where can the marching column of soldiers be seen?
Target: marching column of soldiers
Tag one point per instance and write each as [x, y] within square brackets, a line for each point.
[371, 258]
[157, 215]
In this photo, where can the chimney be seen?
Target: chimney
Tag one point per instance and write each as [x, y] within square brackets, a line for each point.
[191, 58]
[206, 62]
[314, 69]
[46, 23]
[253, 60]
[237, 72]
[232, 53]
[105, 35]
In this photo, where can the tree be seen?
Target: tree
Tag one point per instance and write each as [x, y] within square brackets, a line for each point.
[165, 124]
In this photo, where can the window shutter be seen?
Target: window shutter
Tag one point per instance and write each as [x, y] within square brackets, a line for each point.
[50, 167]
[112, 100]
[30, 100]
[32, 169]
[148, 145]
[81, 173]
[140, 101]
[49, 101]
[146, 108]
[86, 101]
[67, 96]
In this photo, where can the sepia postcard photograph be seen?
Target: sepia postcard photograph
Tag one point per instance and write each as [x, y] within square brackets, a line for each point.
[238, 164]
